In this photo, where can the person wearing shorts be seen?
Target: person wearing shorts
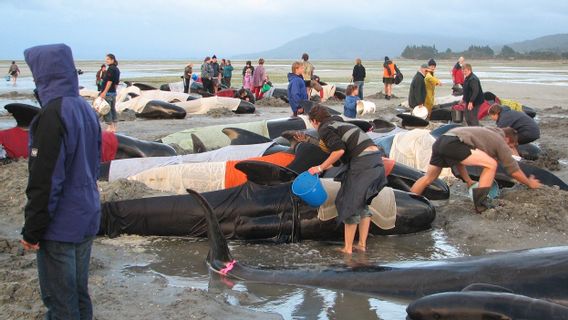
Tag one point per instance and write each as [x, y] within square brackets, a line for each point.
[474, 146]
[362, 174]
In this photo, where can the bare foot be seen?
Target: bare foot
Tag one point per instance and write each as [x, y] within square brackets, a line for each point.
[360, 248]
[343, 250]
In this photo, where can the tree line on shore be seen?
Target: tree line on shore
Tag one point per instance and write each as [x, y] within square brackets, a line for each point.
[478, 52]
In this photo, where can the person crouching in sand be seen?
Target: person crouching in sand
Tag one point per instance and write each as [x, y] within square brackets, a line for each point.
[474, 146]
[362, 175]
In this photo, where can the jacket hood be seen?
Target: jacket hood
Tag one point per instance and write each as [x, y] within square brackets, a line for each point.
[292, 76]
[53, 70]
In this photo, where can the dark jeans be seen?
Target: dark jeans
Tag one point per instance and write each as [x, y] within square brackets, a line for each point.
[471, 116]
[63, 270]
[207, 85]
[359, 85]
[111, 116]
[226, 81]
[186, 85]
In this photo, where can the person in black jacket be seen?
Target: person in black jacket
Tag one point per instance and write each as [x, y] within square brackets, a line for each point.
[358, 76]
[527, 129]
[417, 93]
[472, 96]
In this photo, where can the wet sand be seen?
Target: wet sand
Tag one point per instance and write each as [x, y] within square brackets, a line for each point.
[123, 286]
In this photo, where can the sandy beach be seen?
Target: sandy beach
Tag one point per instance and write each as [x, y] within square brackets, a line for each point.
[126, 283]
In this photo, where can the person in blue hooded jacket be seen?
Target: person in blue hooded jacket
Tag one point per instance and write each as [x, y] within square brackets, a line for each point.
[62, 214]
[296, 88]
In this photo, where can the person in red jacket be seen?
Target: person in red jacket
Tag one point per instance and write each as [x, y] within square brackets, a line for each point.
[457, 72]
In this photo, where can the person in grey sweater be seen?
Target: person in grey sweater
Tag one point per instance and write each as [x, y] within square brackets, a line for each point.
[474, 146]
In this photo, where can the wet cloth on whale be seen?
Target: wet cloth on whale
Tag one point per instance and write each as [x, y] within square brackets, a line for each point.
[203, 105]
[383, 207]
[201, 177]
[213, 136]
[125, 168]
[414, 149]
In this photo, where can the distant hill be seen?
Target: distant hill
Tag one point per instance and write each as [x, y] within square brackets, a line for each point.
[349, 43]
[554, 43]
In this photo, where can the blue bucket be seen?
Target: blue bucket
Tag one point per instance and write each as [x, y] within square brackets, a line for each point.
[309, 188]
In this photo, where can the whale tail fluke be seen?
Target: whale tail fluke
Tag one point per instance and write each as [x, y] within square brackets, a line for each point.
[219, 254]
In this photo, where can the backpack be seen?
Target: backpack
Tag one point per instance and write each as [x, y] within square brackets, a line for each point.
[398, 76]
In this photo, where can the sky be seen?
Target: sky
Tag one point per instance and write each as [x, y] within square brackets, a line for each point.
[184, 29]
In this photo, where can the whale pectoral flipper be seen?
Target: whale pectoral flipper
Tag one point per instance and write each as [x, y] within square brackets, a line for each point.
[265, 173]
[198, 145]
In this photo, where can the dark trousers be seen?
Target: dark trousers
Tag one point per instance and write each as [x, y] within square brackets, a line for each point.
[226, 81]
[63, 270]
[207, 85]
[186, 85]
[471, 116]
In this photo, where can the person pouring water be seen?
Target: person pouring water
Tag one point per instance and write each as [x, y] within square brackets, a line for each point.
[362, 174]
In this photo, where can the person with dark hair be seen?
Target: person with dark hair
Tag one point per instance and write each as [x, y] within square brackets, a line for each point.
[63, 211]
[308, 72]
[472, 96]
[110, 82]
[389, 73]
[473, 146]
[245, 94]
[417, 93]
[259, 78]
[362, 174]
[187, 73]
[527, 129]
[207, 75]
[296, 88]
[358, 76]
[431, 82]
[216, 76]
[248, 70]
[227, 74]
[14, 72]
[100, 76]
[351, 98]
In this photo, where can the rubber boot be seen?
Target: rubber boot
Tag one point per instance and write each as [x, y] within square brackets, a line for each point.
[480, 199]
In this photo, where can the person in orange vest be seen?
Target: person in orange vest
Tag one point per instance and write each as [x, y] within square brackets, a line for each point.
[389, 73]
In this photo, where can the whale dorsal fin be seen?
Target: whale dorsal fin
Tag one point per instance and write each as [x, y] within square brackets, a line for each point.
[198, 145]
[244, 137]
[486, 287]
[265, 173]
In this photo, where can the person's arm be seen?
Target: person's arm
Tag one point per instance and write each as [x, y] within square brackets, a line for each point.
[465, 175]
[530, 181]
[333, 158]
[45, 178]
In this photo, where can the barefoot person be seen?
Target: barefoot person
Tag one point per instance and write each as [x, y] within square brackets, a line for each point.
[473, 146]
[63, 211]
[110, 82]
[362, 175]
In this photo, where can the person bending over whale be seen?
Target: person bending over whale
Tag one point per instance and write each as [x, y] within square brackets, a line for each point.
[527, 128]
[362, 175]
[474, 146]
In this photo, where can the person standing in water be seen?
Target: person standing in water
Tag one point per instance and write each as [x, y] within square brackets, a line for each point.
[362, 175]
[110, 81]
[14, 72]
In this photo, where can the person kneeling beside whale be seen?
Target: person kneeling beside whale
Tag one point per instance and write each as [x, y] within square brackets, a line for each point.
[362, 175]
[474, 146]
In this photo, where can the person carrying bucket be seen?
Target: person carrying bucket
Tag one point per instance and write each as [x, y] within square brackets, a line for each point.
[362, 175]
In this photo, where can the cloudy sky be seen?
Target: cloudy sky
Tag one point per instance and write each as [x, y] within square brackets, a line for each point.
[178, 29]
